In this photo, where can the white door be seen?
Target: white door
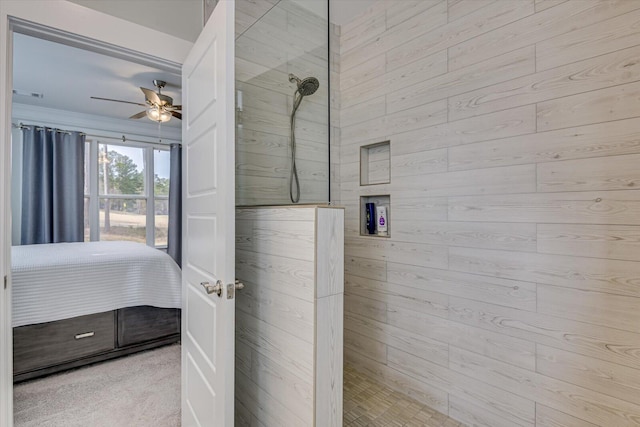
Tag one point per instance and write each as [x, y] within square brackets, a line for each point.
[208, 316]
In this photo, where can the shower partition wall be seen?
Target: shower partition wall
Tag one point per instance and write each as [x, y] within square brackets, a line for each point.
[282, 140]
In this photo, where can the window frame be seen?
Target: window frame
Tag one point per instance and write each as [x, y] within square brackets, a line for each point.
[148, 195]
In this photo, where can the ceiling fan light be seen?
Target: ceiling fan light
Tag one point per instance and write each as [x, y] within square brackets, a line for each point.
[158, 114]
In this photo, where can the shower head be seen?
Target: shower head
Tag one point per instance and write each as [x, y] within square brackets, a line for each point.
[307, 86]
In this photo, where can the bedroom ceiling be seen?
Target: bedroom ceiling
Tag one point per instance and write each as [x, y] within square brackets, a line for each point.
[68, 76]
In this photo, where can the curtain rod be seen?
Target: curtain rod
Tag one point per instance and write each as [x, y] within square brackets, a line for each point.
[23, 126]
[123, 138]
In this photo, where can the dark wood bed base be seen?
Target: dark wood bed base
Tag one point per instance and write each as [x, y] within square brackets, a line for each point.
[47, 348]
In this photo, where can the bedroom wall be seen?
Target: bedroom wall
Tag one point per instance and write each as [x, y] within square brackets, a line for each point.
[507, 293]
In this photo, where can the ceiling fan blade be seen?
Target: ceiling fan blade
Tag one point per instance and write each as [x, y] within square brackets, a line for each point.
[118, 100]
[151, 96]
[176, 115]
[176, 107]
[139, 115]
[165, 100]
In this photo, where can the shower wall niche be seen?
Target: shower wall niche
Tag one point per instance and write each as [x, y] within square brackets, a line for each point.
[283, 38]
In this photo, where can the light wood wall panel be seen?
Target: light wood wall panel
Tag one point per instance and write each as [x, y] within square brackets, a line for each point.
[407, 9]
[616, 311]
[405, 252]
[591, 274]
[598, 241]
[605, 71]
[619, 381]
[472, 414]
[586, 207]
[575, 400]
[509, 406]
[421, 391]
[547, 417]
[505, 67]
[605, 343]
[508, 291]
[521, 237]
[536, 28]
[616, 103]
[598, 140]
[545, 4]
[447, 35]
[395, 36]
[459, 8]
[606, 36]
[408, 341]
[289, 316]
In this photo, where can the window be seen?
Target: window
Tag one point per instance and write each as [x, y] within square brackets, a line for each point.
[126, 192]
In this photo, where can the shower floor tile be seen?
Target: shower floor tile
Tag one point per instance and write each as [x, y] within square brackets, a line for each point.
[367, 403]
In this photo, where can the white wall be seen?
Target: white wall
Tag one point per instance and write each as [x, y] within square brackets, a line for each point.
[180, 18]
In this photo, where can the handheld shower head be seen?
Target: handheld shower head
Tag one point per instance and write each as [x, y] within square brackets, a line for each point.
[307, 86]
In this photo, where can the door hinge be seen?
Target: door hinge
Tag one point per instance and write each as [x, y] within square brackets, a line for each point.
[5, 282]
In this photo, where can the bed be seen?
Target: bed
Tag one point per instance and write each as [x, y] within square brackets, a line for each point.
[78, 303]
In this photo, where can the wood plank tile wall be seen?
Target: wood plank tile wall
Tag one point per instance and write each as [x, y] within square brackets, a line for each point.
[509, 291]
[289, 316]
[274, 39]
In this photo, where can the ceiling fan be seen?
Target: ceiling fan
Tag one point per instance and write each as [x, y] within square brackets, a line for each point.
[159, 107]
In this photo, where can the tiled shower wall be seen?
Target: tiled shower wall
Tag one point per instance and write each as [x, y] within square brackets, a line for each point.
[275, 38]
[508, 291]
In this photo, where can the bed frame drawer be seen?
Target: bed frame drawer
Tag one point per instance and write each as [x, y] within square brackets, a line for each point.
[145, 323]
[52, 343]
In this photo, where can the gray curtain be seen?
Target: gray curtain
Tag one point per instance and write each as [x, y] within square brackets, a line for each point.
[52, 186]
[174, 237]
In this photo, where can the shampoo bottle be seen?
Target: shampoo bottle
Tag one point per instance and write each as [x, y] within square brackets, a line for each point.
[381, 216]
[371, 218]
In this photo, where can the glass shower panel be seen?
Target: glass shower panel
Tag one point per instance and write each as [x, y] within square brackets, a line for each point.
[282, 65]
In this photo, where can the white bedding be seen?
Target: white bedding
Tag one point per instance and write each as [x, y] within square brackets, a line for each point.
[63, 280]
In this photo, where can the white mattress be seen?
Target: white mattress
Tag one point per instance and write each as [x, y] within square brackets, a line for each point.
[63, 280]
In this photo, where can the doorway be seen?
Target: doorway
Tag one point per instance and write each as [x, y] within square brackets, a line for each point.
[126, 198]
[52, 22]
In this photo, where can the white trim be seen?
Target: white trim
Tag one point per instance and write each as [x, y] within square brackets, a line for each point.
[82, 25]
[149, 184]
[6, 332]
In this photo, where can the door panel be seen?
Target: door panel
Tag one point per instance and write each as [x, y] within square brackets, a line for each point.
[209, 223]
[203, 154]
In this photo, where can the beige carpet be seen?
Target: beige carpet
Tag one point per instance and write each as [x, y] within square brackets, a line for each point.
[135, 391]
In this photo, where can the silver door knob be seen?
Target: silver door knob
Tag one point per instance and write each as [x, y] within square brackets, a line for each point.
[217, 288]
[239, 285]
